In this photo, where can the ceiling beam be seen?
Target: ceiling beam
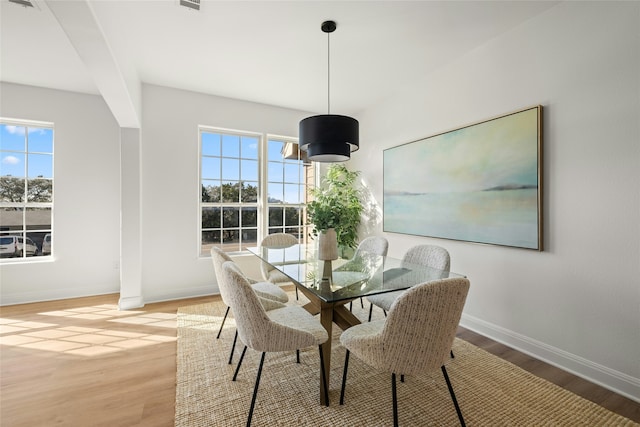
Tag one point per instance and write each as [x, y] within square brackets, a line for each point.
[79, 23]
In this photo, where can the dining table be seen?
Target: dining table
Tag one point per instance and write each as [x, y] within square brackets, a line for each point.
[330, 284]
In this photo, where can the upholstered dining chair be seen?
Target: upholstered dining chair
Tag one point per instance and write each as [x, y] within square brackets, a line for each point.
[287, 328]
[415, 338]
[372, 244]
[428, 255]
[265, 290]
[276, 240]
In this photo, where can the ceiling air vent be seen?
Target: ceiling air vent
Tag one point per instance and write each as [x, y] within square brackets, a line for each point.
[192, 4]
[27, 3]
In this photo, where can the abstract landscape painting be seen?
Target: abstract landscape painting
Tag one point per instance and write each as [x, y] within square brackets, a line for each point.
[480, 183]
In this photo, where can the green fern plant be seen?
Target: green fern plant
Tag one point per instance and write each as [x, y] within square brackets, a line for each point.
[337, 204]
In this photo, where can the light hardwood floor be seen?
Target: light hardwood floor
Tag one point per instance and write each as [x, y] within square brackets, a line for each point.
[81, 362]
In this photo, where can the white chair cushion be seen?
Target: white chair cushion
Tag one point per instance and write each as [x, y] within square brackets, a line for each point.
[277, 276]
[384, 301]
[270, 291]
[297, 317]
[430, 255]
[281, 329]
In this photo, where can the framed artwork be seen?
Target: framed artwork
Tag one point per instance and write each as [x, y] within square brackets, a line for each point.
[479, 183]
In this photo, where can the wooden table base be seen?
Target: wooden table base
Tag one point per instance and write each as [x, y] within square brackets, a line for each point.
[330, 313]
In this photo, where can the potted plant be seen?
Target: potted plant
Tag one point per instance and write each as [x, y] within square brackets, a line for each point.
[337, 205]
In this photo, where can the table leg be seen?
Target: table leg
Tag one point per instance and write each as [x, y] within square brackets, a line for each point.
[326, 319]
[314, 304]
[344, 318]
[311, 308]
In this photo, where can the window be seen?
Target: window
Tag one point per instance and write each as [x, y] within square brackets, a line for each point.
[289, 180]
[26, 188]
[245, 194]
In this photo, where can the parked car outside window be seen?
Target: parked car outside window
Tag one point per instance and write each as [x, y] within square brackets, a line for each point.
[17, 246]
[46, 244]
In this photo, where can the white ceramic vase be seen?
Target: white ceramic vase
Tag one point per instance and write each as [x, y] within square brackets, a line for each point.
[328, 245]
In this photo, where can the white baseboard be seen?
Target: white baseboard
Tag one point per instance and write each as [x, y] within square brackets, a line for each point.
[124, 303]
[54, 294]
[616, 381]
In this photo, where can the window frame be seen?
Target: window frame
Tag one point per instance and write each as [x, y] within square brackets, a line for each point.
[303, 227]
[262, 204]
[25, 205]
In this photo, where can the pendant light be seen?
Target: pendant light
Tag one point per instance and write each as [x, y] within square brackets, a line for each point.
[328, 137]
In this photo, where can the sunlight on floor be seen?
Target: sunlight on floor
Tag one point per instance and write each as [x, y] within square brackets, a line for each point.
[88, 341]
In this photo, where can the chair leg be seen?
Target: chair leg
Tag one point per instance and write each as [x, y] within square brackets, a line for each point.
[361, 303]
[235, 374]
[297, 293]
[233, 347]
[370, 311]
[402, 378]
[453, 396]
[255, 390]
[297, 356]
[385, 313]
[344, 377]
[395, 400]
[351, 306]
[222, 324]
[324, 377]
[452, 356]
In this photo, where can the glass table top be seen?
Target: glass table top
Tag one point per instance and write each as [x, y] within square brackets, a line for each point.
[339, 280]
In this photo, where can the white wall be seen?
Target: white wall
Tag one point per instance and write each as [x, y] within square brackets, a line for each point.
[171, 267]
[86, 197]
[577, 304]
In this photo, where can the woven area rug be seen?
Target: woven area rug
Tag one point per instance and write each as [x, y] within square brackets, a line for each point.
[490, 391]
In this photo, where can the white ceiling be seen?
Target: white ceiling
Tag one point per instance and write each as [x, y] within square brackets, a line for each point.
[270, 52]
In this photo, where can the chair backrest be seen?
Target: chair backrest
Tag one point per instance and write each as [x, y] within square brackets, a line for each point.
[277, 240]
[429, 255]
[366, 258]
[249, 314]
[255, 329]
[374, 244]
[218, 258]
[421, 326]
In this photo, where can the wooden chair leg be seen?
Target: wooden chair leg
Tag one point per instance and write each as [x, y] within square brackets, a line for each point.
[453, 396]
[255, 390]
[222, 324]
[233, 347]
[235, 374]
[344, 377]
[395, 400]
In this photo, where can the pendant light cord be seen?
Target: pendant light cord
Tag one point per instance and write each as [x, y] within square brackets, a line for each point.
[328, 74]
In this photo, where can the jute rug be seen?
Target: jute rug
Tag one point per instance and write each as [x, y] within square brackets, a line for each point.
[491, 391]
